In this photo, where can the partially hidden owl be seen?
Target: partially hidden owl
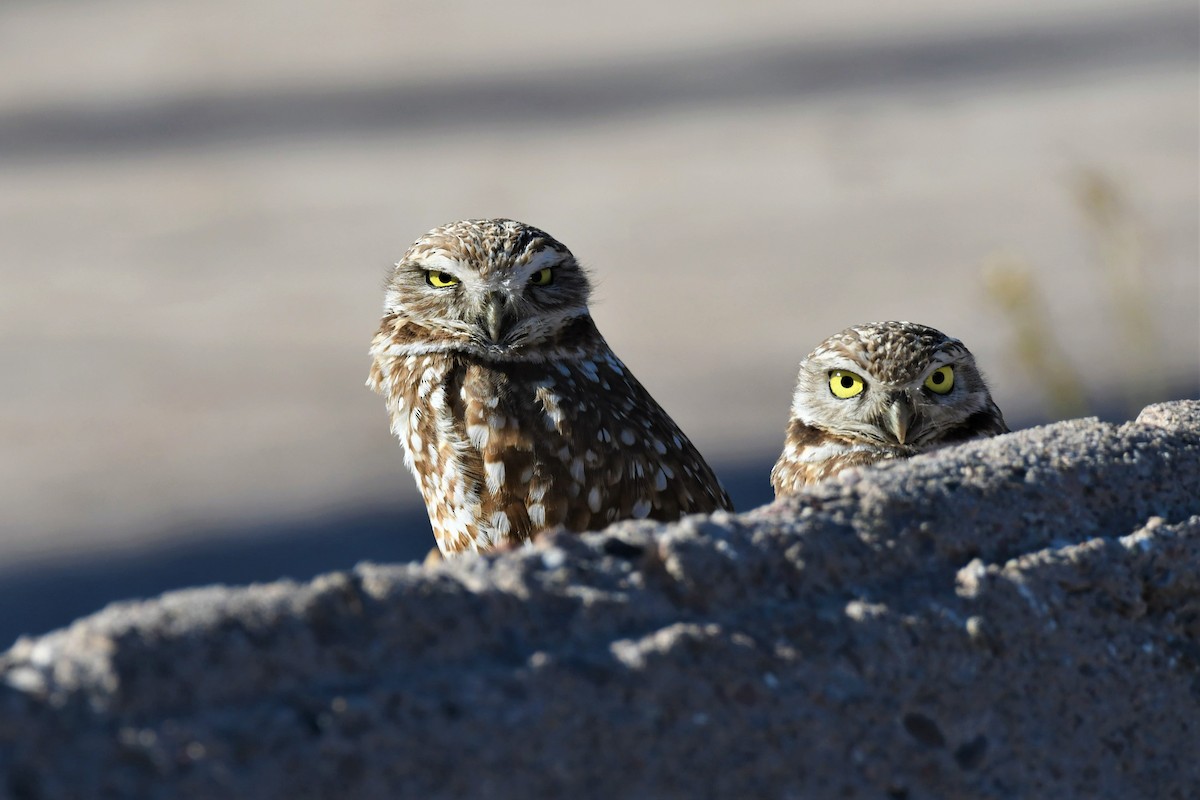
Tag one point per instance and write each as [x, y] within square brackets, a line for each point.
[514, 415]
[881, 391]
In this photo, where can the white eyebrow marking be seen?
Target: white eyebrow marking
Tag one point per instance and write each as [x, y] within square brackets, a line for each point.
[441, 263]
[540, 260]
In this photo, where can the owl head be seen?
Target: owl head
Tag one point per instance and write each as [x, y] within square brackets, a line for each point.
[494, 287]
[895, 384]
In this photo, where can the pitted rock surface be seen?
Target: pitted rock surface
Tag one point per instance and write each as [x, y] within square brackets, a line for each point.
[1016, 617]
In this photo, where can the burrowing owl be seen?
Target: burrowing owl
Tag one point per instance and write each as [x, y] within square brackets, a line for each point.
[514, 414]
[881, 391]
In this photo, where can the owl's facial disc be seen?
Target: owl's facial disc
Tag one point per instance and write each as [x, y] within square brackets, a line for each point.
[492, 288]
[841, 395]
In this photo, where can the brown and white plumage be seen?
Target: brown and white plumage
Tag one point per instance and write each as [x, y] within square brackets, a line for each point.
[514, 414]
[881, 391]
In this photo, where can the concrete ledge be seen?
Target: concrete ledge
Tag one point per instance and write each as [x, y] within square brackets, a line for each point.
[1018, 617]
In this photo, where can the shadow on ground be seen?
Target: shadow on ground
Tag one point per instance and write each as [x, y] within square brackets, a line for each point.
[41, 597]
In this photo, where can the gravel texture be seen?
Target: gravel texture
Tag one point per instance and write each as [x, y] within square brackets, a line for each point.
[1018, 617]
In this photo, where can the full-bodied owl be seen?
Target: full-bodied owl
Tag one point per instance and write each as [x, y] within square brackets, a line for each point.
[514, 415]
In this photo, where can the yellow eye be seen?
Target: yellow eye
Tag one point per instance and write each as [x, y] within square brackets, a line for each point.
[845, 384]
[941, 380]
[440, 279]
[543, 277]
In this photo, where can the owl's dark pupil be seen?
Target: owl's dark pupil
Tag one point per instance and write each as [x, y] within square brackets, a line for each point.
[847, 381]
[937, 377]
[444, 277]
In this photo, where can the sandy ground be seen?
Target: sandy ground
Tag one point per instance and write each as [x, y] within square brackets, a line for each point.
[198, 205]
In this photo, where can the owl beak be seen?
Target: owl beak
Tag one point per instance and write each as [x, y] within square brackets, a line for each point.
[497, 317]
[899, 417]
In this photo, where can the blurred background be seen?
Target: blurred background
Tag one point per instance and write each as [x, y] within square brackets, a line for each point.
[199, 203]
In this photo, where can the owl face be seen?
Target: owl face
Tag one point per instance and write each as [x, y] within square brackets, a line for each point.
[895, 384]
[493, 288]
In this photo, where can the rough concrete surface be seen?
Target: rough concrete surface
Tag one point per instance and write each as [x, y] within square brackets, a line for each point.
[1018, 617]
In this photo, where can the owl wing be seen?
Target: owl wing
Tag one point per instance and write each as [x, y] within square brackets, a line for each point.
[581, 444]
